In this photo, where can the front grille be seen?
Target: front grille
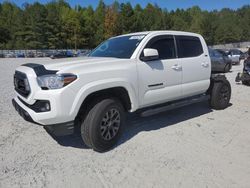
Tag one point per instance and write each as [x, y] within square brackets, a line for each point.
[21, 84]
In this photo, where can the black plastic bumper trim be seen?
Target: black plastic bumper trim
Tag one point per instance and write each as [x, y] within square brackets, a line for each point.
[25, 115]
[36, 106]
[60, 129]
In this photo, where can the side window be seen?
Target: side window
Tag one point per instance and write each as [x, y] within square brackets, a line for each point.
[188, 46]
[211, 53]
[165, 46]
[217, 54]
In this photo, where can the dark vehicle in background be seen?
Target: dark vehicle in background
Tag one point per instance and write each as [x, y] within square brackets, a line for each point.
[59, 54]
[30, 54]
[244, 56]
[48, 53]
[1, 55]
[224, 53]
[83, 53]
[20, 55]
[62, 54]
[39, 54]
[219, 61]
[234, 55]
[244, 77]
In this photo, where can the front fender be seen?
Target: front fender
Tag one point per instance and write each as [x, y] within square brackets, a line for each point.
[99, 85]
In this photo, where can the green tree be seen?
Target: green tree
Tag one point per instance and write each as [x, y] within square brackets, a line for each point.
[137, 24]
[56, 25]
[126, 18]
[228, 29]
[153, 18]
[180, 20]
[111, 20]
[244, 22]
[86, 17]
[99, 17]
[35, 27]
[71, 27]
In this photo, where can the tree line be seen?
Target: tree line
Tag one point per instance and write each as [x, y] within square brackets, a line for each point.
[56, 25]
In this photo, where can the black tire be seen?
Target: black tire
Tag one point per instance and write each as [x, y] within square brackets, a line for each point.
[227, 68]
[99, 130]
[220, 95]
[247, 83]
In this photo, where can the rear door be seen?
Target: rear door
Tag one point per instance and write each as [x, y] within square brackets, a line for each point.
[160, 80]
[196, 70]
[234, 55]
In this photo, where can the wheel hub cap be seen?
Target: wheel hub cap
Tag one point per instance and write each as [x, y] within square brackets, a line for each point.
[110, 124]
[224, 93]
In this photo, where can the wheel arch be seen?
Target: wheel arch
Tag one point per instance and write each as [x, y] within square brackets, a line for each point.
[120, 89]
[215, 78]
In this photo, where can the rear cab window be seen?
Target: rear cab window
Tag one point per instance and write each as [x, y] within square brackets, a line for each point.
[188, 46]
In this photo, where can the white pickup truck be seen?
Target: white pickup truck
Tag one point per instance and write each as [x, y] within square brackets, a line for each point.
[146, 72]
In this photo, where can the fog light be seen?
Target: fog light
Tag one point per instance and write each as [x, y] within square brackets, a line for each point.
[41, 106]
[38, 106]
[45, 106]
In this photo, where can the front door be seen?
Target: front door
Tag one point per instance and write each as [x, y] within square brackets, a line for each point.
[160, 80]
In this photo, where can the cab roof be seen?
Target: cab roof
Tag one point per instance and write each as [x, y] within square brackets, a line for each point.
[172, 32]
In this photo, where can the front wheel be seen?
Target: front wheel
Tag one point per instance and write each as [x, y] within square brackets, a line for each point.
[220, 95]
[103, 124]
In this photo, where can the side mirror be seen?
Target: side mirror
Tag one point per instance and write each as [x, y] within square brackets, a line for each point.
[150, 54]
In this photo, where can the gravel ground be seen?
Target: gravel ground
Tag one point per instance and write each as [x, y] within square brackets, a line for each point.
[189, 147]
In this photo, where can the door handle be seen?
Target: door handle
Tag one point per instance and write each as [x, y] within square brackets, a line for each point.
[205, 64]
[176, 67]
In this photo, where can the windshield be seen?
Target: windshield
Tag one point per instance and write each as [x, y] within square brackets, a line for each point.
[119, 47]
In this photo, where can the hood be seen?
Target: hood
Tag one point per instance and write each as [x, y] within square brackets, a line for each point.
[72, 65]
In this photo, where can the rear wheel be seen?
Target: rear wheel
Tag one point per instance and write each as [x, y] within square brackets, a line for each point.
[227, 68]
[220, 95]
[103, 124]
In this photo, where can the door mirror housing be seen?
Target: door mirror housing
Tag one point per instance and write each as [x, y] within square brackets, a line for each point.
[150, 54]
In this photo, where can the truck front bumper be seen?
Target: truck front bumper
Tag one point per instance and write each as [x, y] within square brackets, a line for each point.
[59, 129]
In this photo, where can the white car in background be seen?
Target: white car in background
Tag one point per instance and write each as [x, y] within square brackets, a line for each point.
[234, 55]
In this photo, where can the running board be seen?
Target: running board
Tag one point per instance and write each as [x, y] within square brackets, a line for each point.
[174, 105]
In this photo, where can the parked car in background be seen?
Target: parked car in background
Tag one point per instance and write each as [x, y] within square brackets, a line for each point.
[1, 55]
[39, 54]
[62, 54]
[224, 53]
[219, 61]
[48, 53]
[20, 55]
[69, 53]
[83, 53]
[234, 55]
[10, 55]
[244, 56]
[58, 54]
[30, 54]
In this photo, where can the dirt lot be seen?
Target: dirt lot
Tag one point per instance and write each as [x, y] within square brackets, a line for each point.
[189, 147]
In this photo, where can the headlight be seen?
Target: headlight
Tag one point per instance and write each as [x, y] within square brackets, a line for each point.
[55, 81]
